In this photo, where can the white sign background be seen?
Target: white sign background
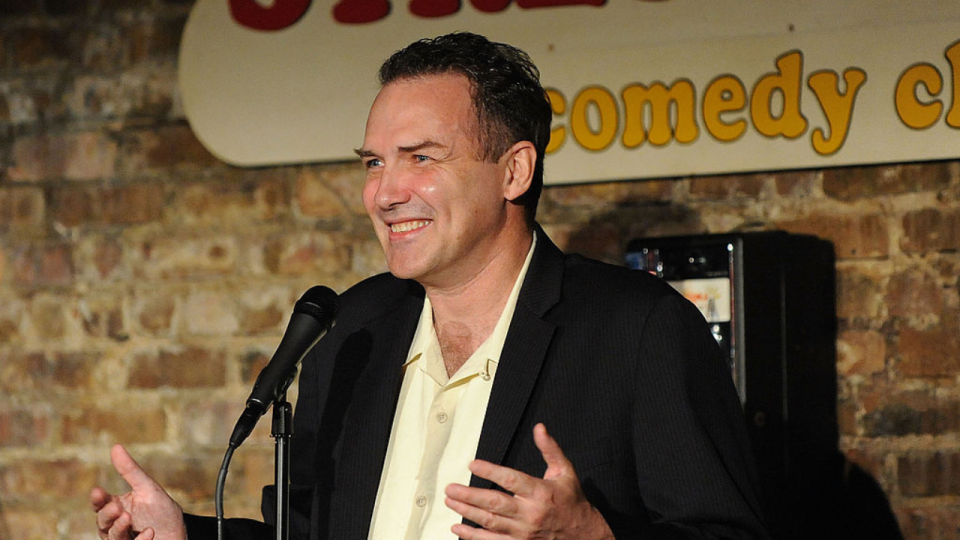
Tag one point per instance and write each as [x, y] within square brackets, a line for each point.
[301, 94]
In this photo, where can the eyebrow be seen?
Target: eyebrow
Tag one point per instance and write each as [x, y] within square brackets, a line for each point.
[363, 152]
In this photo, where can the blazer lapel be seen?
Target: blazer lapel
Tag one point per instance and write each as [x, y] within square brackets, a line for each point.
[367, 425]
[524, 352]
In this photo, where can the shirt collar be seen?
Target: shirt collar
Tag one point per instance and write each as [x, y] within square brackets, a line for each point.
[425, 348]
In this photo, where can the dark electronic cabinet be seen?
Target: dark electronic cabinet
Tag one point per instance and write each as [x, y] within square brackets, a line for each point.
[769, 298]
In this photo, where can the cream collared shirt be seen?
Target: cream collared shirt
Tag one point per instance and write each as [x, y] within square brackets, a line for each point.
[436, 429]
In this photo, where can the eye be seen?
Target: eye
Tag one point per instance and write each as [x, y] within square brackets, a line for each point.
[372, 162]
[420, 158]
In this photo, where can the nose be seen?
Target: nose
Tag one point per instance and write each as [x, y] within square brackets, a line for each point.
[391, 189]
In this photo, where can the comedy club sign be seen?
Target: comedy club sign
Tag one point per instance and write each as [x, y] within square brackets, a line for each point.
[639, 88]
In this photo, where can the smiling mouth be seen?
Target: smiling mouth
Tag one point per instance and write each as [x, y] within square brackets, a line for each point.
[408, 226]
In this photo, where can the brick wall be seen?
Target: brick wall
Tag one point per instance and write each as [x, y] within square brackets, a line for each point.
[143, 283]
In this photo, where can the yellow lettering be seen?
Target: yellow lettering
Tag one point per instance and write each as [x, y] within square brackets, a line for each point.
[786, 82]
[910, 109]
[661, 100]
[953, 55]
[837, 107]
[725, 94]
[602, 101]
[558, 134]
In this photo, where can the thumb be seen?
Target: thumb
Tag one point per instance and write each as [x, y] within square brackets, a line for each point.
[131, 472]
[553, 456]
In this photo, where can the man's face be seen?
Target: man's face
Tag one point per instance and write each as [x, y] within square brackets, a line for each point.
[437, 208]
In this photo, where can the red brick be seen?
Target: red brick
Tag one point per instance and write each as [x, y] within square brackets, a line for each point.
[913, 293]
[211, 313]
[606, 193]
[925, 474]
[162, 150]
[861, 353]
[47, 317]
[102, 316]
[108, 258]
[930, 352]
[185, 478]
[189, 367]
[931, 230]
[728, 186]
[38, 477]
[34, 371]
[155, 311]
[11, 313]
[898, 413]
[123, 425]
[316, 199]
[173, 257]
[21, 208]
[930, 522]
[209, 423]
[851, 183]
[30, 523]
[79, 156]
[24, 428]
[252, 363]
[859, 293]
[306, 254]
[234, 202]
[796, 183]
[854, 236]
[345, 180]
[123, 205]
[261, 320]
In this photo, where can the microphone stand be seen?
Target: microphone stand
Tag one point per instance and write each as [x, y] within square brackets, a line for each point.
[281, 431]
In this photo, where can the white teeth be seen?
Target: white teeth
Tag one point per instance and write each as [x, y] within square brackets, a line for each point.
[407, 226]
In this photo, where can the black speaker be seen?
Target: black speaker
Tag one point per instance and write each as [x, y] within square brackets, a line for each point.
[770, 301]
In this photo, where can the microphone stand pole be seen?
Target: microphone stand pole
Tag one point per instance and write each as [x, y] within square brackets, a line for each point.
[282, 430]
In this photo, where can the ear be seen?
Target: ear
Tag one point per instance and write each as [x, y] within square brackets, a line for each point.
[520, 161]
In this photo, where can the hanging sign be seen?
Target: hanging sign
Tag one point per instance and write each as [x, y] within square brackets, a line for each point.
[639, 88]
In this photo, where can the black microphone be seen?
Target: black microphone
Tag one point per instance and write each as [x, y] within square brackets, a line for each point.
[312, 317]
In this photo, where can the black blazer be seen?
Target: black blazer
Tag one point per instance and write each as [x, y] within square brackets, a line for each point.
[620, 368]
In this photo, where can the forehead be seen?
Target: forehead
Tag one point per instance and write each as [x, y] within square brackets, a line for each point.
[426, 106]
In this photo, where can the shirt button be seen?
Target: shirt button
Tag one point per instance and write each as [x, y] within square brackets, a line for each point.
[442, 417]
[421, 501]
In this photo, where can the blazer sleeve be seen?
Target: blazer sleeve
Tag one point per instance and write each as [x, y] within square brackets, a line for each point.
[693, 459]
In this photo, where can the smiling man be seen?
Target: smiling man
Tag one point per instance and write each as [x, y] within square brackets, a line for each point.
[424, 413]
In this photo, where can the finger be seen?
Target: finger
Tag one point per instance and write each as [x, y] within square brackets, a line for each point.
[99, 497]
[146, 534]
[553, 456]
[121, 528]
[467, 532]
[130, 470]
[487, 502]
[108, 515]
[509, 479]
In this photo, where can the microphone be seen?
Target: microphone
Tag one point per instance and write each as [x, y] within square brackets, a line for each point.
[312, 317]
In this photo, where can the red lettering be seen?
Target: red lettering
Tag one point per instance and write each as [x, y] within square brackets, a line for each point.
[434, 8]
[282, 14]
[360, 11]
[530, 4]
[490, 6]
[366, 11]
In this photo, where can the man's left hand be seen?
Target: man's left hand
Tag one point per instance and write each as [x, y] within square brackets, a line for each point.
[553, 507]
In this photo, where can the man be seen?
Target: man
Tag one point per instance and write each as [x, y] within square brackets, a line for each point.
[482, 337]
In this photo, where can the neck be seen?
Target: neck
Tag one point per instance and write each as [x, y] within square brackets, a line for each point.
[465, 313]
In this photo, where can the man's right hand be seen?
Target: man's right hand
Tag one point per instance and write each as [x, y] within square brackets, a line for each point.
[147, 512]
